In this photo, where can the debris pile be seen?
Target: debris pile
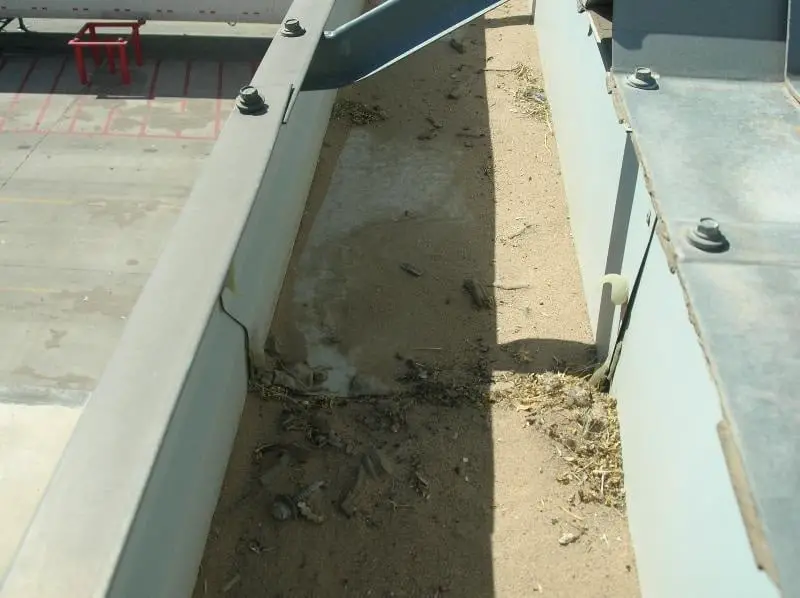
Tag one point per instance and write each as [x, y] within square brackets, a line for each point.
[529, 95]
[357, 113]
[581, 420]
[565, 407]
[287, 471]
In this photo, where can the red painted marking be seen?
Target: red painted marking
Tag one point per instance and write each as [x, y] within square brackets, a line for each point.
[17, 96]
[218, 105]
[78, 106]
[109, 119]
[151, 95]
[187, 78]
[49, 97]
[74, 120]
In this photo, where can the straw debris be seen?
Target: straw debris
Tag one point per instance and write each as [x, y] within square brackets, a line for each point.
[529, 95]
[582, 421]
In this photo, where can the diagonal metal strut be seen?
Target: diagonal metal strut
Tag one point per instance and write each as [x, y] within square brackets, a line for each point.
[384, 35]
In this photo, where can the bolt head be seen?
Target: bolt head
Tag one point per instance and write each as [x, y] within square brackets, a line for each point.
[708, 228]
[707, 236]
[642, 78]
[292, 28]
[250, 101]
[249, 94]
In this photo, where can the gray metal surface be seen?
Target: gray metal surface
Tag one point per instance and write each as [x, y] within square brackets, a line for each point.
[731, 151]
[254, 283]
[688, 533]
[384, 35]
[706, 147]
[738, 39]
[602, 176]
[128, 508]
[738, 145]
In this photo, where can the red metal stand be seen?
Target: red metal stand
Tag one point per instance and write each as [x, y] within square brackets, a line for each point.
[96, 44]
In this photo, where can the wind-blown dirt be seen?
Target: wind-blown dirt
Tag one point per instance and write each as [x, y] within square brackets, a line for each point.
[434, 268]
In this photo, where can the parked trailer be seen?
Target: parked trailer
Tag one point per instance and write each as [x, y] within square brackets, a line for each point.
[702, 357]
[209, 11]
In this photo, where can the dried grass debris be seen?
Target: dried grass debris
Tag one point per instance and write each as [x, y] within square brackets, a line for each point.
[529, 95]
[564, 406]
[581, 420]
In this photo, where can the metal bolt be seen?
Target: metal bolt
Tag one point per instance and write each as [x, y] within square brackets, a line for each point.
[708, 228]
[707, 236]
[642, 78]
[292, 28]
[250, 101]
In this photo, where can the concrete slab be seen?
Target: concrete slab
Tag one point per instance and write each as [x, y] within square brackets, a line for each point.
[92, 180]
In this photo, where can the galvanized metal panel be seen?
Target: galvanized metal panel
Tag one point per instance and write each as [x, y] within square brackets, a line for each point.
[631, 231]
[737, 39]
[600, 170]
[746, 315]
[386, 34]
[588, 134]
[731, 151]
[711, 148]
[168, 534]
[258, 267]
[724, 149]
[683, 516]
[256, 273]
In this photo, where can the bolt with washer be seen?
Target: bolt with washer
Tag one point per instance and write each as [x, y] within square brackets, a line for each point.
[292, 28]
[707, 236]
[250, 101]
[642, 78]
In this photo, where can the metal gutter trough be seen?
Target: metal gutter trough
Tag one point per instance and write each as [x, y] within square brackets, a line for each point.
[107, 488]
[678, 129]
[146, 228]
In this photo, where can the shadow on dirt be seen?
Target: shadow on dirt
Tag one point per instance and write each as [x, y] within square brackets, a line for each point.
[401, 488]
[173, 67]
